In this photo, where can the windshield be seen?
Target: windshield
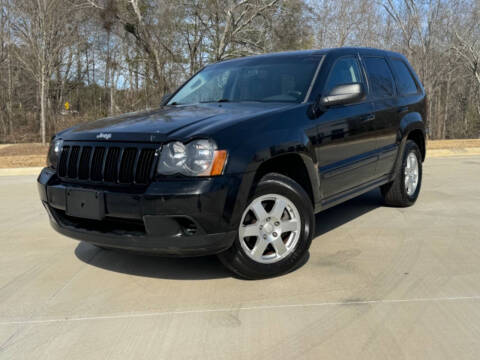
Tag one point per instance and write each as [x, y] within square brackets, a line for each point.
[272, 79]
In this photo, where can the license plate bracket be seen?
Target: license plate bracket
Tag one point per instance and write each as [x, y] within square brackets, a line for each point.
[85, 203]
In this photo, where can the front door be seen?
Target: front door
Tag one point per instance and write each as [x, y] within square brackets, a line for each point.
[346, 152]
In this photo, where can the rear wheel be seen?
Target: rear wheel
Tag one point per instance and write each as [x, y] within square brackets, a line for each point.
[275, 230]
[404, 189]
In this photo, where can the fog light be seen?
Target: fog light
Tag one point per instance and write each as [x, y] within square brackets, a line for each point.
[189, 228]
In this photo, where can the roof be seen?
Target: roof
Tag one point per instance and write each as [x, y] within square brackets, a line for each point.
[361, 50]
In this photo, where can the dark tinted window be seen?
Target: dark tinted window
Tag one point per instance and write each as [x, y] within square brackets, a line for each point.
[380, 77]
[406, 84]
[345, 71]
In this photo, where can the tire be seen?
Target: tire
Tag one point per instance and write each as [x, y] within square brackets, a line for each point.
[271, 227]
[396, 193]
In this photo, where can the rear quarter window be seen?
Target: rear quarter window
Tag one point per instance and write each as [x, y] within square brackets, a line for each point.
[405, 83]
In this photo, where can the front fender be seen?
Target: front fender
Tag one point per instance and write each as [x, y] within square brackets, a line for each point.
[263, 146]
[256, 150]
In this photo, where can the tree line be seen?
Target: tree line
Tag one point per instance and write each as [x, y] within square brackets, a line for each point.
[68, 61]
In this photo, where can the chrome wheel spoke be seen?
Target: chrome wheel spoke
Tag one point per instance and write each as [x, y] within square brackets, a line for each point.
[278, 208]
[289, 225]
[259, 210]
[248, 230]
[279, 246]
[259, 249]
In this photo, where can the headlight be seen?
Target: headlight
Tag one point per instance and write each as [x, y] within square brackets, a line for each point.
[196, 158]
[54, 152]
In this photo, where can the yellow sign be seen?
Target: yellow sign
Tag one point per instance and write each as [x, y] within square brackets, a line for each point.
[67, 106]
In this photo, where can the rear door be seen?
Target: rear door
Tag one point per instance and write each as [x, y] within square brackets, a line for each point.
[386, 121]
[345, 151]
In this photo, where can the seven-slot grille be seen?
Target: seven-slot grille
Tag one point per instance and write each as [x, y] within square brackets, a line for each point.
[107, 162]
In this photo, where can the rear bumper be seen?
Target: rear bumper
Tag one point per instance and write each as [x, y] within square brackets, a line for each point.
[189, 217]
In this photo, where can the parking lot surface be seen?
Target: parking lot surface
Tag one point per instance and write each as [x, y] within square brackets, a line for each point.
[380, 283]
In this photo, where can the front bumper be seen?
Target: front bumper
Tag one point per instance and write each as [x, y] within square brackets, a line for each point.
[183, 217]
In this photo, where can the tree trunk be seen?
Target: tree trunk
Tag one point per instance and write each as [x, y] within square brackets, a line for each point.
[445, 110]
[112, 94]
[10, 95]
[107, 81]
[43, 105]
[430, 116]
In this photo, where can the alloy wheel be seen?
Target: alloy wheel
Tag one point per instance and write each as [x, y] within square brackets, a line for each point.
[270, 228]
[411, 174]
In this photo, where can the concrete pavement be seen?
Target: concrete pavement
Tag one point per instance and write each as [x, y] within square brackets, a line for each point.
[380, 283]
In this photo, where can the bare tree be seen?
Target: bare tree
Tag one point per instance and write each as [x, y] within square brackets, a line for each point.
[230, 24]
[469, 50]
[291, 26]
[42, 29]
[112, 56]
[193, 32]
[345, 22]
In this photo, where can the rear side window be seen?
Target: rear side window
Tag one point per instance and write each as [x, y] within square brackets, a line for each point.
[380, 77]
[346, 70]
[406, 84]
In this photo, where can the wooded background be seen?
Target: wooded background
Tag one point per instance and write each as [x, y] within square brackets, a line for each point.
[105, 57]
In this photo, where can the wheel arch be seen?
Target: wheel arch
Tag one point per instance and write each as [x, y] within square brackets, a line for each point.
[298, 167]
[412, 127]
[419, 138]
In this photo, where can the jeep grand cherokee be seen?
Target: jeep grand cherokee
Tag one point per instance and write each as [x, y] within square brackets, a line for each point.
[239, 159]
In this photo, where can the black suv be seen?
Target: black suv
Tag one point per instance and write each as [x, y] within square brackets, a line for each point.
[239, 159]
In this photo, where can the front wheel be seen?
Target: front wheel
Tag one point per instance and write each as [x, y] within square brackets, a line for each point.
[275, 230]
[404, 189]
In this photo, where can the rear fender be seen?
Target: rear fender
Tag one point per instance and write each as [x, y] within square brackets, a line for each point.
[410, 122]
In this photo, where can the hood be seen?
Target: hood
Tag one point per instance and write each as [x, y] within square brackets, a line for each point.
[161, 124]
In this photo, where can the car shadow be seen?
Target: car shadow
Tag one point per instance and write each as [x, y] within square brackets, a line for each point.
[209, 267]
[197, 268]
[341, 214]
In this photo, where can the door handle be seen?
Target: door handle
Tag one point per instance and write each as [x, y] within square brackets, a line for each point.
[368, 117]
[402, 109]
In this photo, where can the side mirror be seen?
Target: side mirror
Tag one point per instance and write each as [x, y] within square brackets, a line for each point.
[343, 94]
[165, 99]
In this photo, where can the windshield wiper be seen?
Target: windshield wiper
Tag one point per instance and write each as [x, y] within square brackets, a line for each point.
[215, 101]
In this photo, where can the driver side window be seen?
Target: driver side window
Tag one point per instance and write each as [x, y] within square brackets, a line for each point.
[346, 70]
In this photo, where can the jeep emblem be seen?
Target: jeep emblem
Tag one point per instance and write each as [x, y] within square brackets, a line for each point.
[105, 136]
